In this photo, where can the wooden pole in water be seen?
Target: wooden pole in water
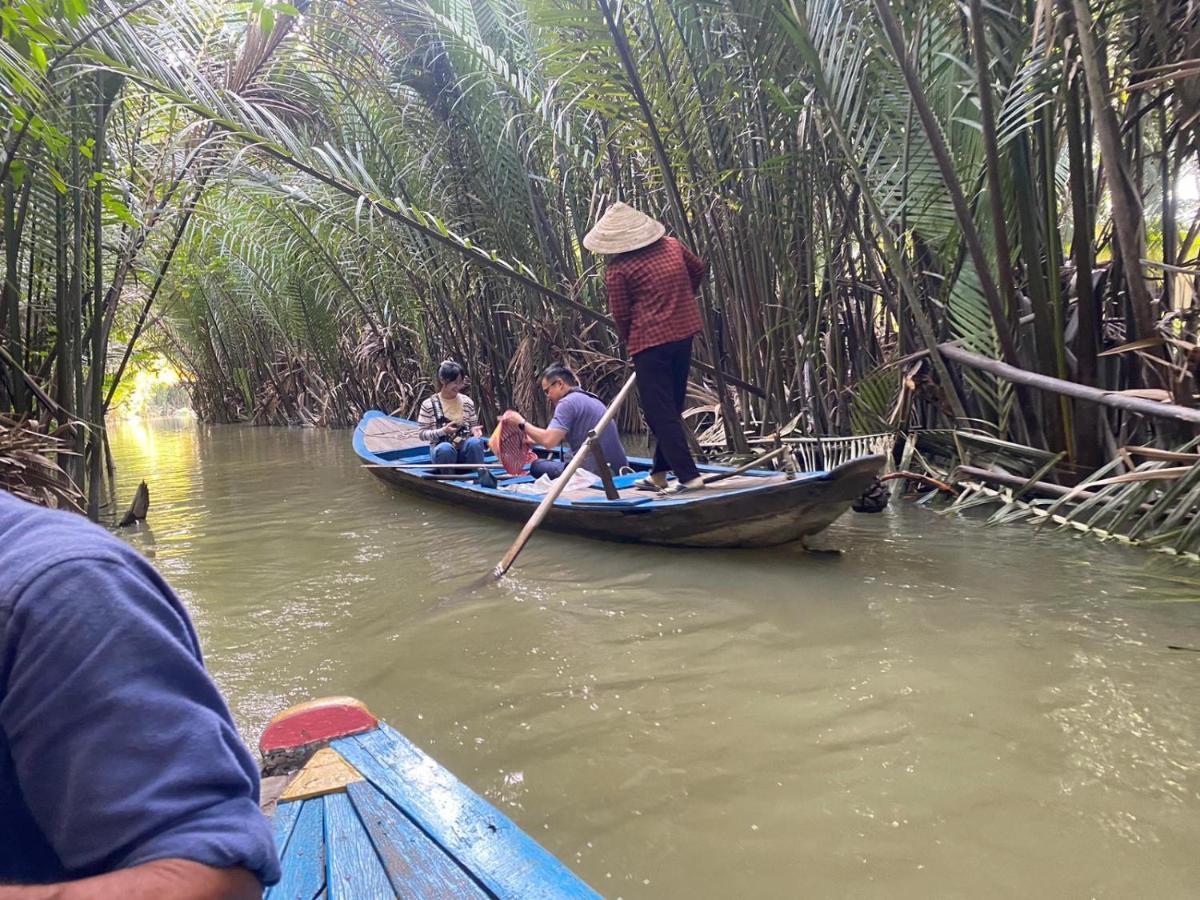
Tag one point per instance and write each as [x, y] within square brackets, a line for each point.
[561, 482]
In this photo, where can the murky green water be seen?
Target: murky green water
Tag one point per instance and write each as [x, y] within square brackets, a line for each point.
[945, 710]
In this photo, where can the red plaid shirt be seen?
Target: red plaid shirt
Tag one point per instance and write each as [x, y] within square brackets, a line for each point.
[652, 294]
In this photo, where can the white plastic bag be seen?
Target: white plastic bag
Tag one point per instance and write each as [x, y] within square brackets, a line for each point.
[581, 479]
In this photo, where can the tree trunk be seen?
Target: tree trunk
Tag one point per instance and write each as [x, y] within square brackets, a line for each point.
[1126, 204]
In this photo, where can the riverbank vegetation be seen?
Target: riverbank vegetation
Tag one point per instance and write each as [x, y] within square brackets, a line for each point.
[923, 218]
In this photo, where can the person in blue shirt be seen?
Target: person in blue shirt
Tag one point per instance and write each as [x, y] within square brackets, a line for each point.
[576, 412]
[122, 774]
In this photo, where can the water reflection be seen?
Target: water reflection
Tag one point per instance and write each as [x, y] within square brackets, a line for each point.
[942, 710]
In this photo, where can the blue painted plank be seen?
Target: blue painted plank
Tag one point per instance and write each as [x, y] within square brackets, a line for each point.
[418, 868]
[605, 503]
[506, 860]
[303, 862]
[622, 481]
[282, 823]
[352, 870]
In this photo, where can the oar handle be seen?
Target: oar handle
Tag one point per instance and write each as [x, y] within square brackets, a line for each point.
[561, 482]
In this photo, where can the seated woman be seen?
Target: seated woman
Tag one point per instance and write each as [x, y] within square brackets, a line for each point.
[447, 420]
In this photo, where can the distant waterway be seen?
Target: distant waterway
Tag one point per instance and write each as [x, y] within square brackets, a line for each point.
[944, 709]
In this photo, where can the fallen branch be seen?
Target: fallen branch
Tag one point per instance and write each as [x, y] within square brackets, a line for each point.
[1039, 487]
[1071, 389]
[917, 476]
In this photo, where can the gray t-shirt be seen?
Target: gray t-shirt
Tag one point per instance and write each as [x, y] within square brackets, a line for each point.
[577, 413]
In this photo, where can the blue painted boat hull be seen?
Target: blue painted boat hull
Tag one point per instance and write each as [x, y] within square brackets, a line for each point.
[401, 825]
[760, 508]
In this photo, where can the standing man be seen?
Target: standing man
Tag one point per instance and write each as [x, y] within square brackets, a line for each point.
[652, 282]
[576, 413]
[122, 776]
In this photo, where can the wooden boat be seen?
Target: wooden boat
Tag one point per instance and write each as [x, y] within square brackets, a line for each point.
[756, 508]
[365, 815]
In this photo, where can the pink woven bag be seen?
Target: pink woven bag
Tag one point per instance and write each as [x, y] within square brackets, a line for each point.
[511, 444]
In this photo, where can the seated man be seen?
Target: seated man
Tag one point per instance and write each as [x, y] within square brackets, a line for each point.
[122, 776]
[576, 412]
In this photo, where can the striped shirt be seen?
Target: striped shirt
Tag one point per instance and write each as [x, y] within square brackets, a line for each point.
[433, 417]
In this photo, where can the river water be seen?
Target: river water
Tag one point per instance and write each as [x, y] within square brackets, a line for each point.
[945, 709]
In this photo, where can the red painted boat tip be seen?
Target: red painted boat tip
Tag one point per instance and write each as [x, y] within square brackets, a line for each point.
[315, 722]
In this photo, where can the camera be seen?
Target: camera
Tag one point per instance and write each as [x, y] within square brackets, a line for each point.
[456, 436]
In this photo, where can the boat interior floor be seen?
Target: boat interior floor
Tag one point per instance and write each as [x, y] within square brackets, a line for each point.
[624, 484]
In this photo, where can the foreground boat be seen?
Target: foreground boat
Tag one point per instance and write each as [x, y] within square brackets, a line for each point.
[756, 508]
[365, 815]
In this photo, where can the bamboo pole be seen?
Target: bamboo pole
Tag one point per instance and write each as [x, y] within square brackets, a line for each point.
[561, 482]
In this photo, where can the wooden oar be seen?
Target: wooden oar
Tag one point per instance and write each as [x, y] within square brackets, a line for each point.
[561, 482]
[754, 463]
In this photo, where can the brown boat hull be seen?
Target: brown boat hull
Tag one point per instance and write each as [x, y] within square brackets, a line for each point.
[762, 517]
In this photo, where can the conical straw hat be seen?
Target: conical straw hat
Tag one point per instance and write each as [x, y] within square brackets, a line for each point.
[621, 229]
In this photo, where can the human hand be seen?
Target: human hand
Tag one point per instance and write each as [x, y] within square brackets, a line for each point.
[477, 431]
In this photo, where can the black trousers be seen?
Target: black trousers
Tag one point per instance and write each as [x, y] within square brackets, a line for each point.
[662, 374]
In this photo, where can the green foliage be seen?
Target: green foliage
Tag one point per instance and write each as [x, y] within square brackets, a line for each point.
[874, 401]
